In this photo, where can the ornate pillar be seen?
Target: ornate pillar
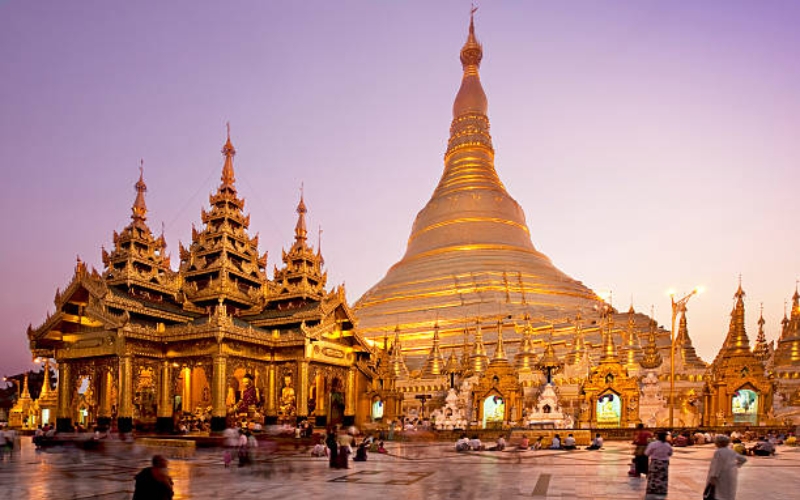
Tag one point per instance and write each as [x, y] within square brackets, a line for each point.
[321, 409]
[103, 397]
[302, 392]
[350, 398]
[218, 393]
[164, 422]
[64, 412]
[125, 410]
[271, 409]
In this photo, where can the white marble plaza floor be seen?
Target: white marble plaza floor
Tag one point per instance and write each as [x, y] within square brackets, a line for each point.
[409, 471]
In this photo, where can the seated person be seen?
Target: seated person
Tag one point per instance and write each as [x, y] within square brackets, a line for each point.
[524, 443]
[463, 443]
[361, 452]
[319, 450]
[475, 443]
[569, 443]
[699, 438]
[763, 448]
[680, 441]
[381, 449]
[500, 445]
[597, 442]
[739, 447]
[791, 440]
[556, 444]
[537, 445]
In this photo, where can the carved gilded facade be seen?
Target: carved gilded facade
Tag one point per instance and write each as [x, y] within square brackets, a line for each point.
[141, 344]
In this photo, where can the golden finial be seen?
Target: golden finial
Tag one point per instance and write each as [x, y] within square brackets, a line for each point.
[139, 208]
[229, 152]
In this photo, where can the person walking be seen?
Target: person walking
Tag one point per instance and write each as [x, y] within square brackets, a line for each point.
[333, 447]
[724, 470]
[154, 483]
[659, 452]
[641, 439]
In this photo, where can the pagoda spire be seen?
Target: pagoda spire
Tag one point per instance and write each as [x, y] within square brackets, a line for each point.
[499, 352]
[139, 207]
[222, 268]
[683, 344]
[302, 275]
[397, 363]
[300, 232]
[526, 359]
[549, 363]
[609, 347]
[652, 356]
[579, 351]
[434, 365]
[478, 359]
[761, 349]
[228, 151]
[632, 350]
[737, 339]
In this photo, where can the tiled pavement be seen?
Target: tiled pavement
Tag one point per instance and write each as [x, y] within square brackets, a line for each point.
[410, 470]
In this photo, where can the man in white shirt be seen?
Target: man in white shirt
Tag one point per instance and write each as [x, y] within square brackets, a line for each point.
[569, 443]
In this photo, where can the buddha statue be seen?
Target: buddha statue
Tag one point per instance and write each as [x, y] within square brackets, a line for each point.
[287, 396]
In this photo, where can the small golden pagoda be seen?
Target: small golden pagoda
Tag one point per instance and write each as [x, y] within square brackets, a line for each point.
[739, 391]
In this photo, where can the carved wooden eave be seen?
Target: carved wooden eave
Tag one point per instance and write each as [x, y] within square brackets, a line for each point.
[133, 305]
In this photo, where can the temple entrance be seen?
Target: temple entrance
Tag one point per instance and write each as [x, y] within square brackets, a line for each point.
[744, 406]
[87, 405]
[609, 410]
[336, 412]
[494, 411]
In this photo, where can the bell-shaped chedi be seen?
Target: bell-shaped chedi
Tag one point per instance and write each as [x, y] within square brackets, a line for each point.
[470, 244]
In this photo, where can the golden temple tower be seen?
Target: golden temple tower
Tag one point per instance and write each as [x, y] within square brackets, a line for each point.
[467, 242]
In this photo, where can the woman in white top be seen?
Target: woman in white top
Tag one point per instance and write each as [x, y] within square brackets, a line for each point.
[724, 470]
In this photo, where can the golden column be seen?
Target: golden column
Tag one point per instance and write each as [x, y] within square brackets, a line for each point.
[104, 399]
[302, 392]
[125, 409]
[164, 412]
[271, 410]
[218, 393]
[64, 413]
[350, 397]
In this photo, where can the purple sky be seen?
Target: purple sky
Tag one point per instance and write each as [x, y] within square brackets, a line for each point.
[651, 144]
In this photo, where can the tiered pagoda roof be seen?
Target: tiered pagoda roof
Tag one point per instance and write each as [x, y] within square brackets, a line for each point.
[735, 359]
[223, 263]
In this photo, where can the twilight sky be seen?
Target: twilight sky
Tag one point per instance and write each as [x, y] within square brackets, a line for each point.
[652, 145]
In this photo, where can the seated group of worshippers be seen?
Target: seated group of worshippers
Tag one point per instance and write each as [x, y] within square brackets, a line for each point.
[474, 444]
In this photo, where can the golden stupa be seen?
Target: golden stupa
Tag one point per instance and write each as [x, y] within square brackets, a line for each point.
[470, 256]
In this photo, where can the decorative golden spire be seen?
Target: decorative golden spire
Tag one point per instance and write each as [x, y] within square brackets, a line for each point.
[300, 231]
[579, 351]
[526, 359]
[652, 356]
[139, 208]
[434, 365]
[683, 343]
[479, 360]
[397, 362]
[499, 352]
[737, 339]
[609, 347]
[228, 178]
[452, 365]
[632, 350]
[761, 349]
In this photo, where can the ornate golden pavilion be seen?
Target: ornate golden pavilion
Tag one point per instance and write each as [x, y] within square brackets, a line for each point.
[485, 330]
[142, 343]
